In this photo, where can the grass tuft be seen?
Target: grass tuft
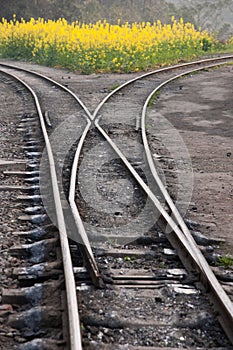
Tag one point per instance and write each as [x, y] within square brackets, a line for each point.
[225, 261]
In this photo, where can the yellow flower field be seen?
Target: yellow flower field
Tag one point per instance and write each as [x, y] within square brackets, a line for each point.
[102, 47]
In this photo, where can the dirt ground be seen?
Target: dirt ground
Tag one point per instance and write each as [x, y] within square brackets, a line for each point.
[200, 110]
[200, 107]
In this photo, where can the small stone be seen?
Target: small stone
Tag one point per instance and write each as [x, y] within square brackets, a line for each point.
[190, 306]
[168, 251]
[100, 335]
[20, 339]
[6, 307]
[179, 289]
[9, 334]
[112, 314]
[177, 272]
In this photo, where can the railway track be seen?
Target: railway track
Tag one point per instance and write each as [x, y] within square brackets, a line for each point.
[133, 245]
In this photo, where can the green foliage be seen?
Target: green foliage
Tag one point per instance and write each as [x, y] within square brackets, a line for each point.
[153, 98]
[225, 261]
[129, 258]
[102, 47]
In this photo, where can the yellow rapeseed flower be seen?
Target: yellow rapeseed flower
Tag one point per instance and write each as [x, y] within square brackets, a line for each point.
[101, 46]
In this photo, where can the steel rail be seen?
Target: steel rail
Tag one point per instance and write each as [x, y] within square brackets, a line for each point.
[93, 117]
[53, 82]
[73, 314]
[185, 247]
[71, 197]
[184, 242]
[222, 301]
[93, 265]
[149, 157]
[146, 189]
[159, 70]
